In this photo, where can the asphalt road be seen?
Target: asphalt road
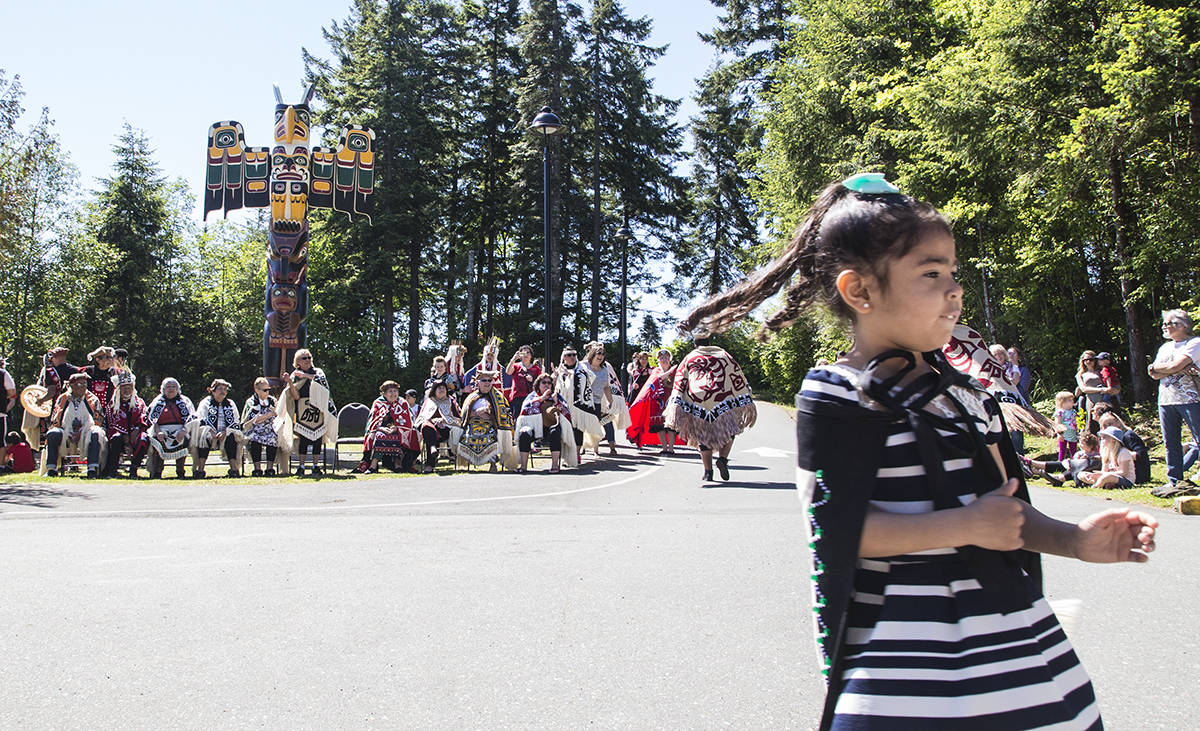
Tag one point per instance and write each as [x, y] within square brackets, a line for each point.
[625, 595]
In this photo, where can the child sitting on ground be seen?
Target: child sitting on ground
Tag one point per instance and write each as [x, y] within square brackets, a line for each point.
[1086, 458]
[1064, 424]
[20, 456]
[1116, 463]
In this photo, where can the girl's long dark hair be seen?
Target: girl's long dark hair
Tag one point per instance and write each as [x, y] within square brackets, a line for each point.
[844, 229]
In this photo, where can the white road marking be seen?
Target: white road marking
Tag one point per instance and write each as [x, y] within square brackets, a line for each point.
[768, 452]
[320, 508]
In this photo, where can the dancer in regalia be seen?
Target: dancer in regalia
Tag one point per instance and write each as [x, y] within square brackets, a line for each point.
[647, 426]
[259, 425]
[220, 428]
[928, 611]
[171, 417]
[710, 404]
[390, 434]
[53, 378]
[487, 426]
[102, 374]
[573, 381]
[545, 415]
[489, 362]
[456, 368]
[120, 365]
[127, 428]
[309, 414]
[77, 421]
[440, 424]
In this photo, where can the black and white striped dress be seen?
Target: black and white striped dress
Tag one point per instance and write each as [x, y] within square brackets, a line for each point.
[923, 647]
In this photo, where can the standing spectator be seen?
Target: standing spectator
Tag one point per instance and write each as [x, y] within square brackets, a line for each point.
[1064, 423]
[1108, 375]
[1178, 394]
[8, 399]
[524, 372]
[1089, 383]
[639, 372]
[1000, 354]
[1019, 373]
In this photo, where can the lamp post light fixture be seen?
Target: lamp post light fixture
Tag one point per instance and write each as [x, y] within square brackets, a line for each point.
[546, 123]
[624, 234]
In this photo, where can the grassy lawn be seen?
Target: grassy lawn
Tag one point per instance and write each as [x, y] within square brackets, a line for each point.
[217, 470]
[1143, 418]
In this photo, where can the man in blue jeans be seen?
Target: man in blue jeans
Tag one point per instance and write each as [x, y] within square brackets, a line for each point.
[1178, 396]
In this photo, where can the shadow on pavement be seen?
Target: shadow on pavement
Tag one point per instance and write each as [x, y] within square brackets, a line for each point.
[36, 496]
[753, 485]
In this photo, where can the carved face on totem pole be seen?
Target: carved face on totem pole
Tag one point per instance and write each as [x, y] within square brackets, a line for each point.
[289, 178]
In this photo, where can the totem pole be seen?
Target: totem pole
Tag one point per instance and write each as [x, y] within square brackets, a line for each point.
[290, 178]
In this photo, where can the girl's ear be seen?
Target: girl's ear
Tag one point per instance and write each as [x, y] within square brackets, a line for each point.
[855, 290]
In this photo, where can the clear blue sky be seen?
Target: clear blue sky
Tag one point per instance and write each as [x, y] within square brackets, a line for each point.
[172, 68]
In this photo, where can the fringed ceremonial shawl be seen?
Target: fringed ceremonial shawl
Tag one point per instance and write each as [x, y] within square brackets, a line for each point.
[314, 417]
[575, 386]
[390, 426]
[531, 418]
[179, 429]
[969, 354]
[711, 402]
[485, 438]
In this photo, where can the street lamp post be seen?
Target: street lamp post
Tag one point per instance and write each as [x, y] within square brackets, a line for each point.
[546, 123]
[624, 234]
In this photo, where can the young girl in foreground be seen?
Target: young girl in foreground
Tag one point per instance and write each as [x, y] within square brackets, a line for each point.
[929, 612]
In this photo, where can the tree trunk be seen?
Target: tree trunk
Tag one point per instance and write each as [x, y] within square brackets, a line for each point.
[1126, 225]
[594, 321]
[414, 301]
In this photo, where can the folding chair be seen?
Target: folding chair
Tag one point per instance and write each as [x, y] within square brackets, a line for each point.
[352, 427]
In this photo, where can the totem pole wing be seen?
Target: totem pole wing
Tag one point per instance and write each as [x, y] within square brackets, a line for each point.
[354, 172]
[258, 177]
[320, 191]
[223, 180]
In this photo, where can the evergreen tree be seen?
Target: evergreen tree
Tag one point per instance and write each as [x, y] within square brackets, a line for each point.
[37, 188]
[546, 48]
[484, 217]
[142, 301]
[390, 71]
[649, 334]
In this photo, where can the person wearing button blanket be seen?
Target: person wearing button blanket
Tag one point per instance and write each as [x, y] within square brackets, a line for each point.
[76, 423]
[307, 416]
[218, 427]
[172, 419]
[925, 573]
[487, 426]
[546, 416]
[573, 381]
[710, 404]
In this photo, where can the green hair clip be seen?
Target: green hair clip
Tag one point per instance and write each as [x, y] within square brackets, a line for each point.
[869, 183]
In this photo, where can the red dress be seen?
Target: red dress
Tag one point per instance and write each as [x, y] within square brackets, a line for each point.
[646, 413]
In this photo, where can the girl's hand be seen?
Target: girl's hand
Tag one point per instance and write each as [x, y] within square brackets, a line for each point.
[1114, 536]
[994, 520]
